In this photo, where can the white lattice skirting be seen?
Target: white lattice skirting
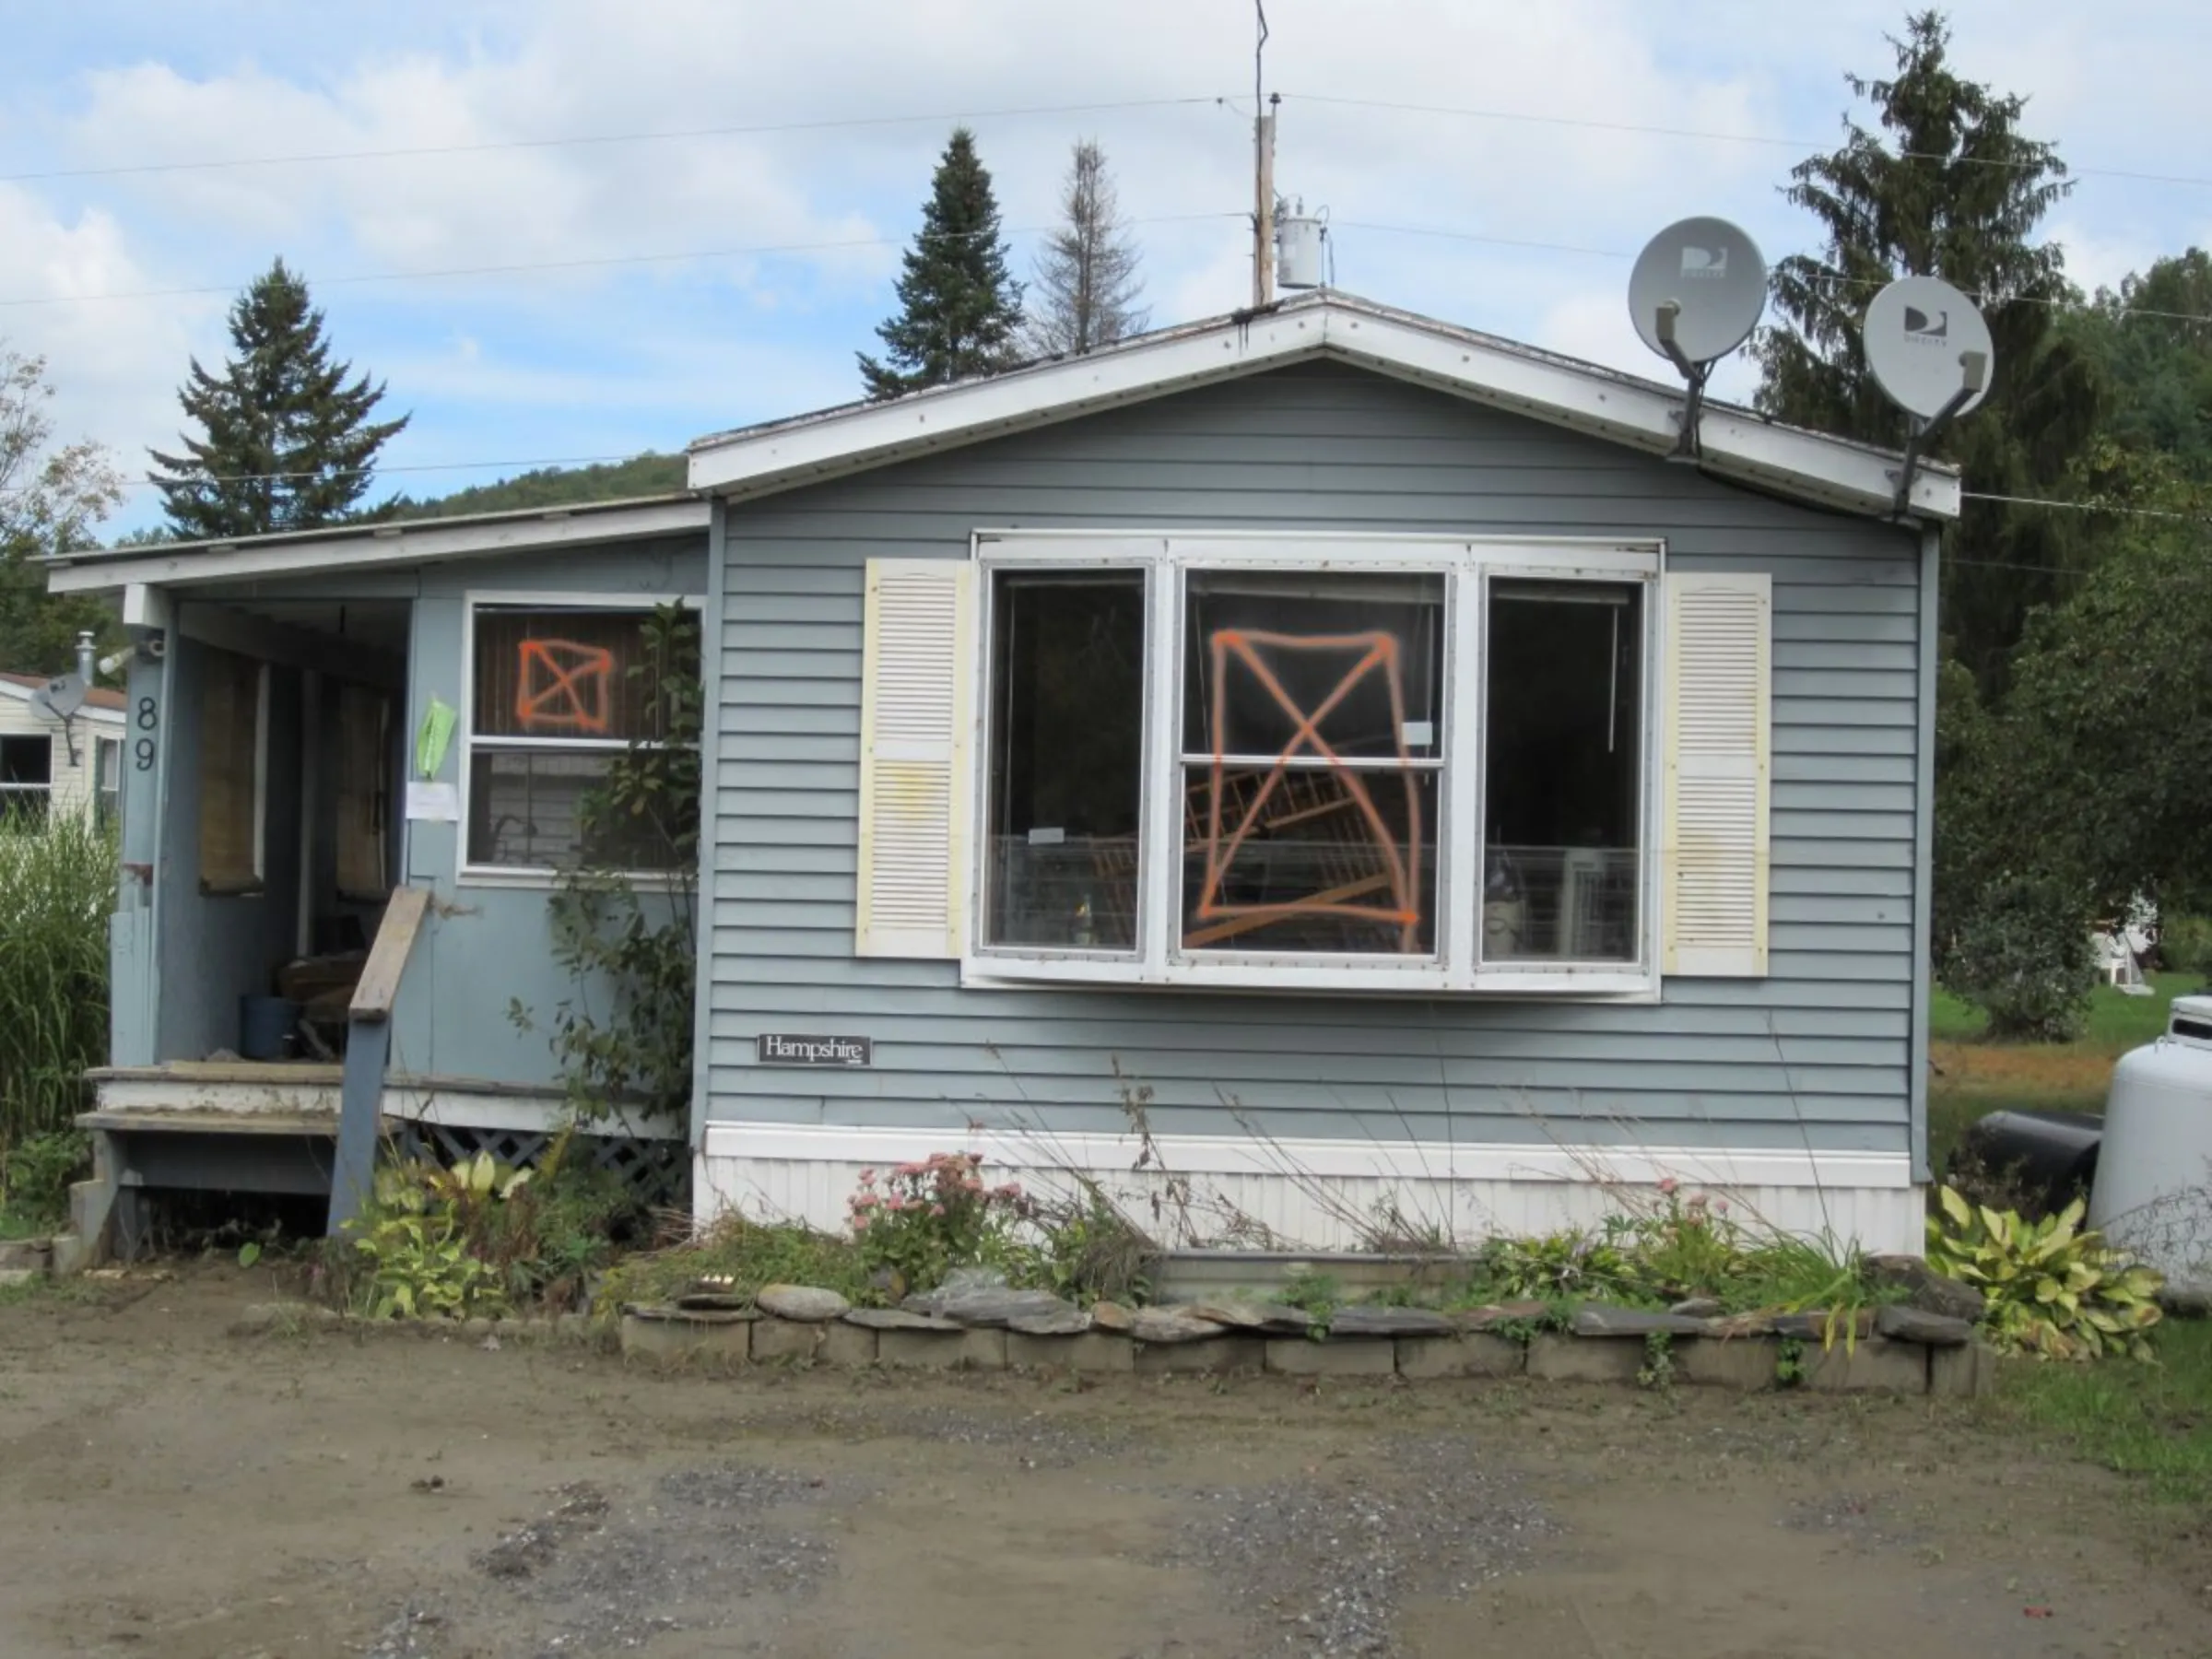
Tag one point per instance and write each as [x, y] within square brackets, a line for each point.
[1326, 1195]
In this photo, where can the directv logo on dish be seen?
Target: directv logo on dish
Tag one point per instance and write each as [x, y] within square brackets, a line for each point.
[1918, 325]
[1704, 263]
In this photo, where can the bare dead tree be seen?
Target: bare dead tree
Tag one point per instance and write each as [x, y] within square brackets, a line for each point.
[1087, 288]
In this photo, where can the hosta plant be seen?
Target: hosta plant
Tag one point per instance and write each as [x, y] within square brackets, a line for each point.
[2053, 1287]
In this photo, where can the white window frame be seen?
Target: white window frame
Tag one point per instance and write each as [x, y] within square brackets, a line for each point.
[1467, 564]
[102, 749]
[468, 874]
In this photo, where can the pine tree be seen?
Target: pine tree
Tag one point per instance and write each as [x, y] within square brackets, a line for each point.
[1955, 191]
[289, 441]
[959, 306]
[1087, 286]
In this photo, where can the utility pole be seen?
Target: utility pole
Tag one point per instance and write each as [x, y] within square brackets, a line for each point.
[1262, 216]
[1262, 169]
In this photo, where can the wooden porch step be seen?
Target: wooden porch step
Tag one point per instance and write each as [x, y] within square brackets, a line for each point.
[130, 1122]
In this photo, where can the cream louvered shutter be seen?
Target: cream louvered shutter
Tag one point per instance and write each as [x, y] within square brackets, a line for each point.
[1714, 854]
[914, 750]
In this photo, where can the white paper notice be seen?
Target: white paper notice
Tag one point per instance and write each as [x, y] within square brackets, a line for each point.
[432, 802]
[1419, 734]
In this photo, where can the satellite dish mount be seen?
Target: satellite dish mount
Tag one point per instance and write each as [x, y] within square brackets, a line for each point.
[1695, 296]
[1930, 352]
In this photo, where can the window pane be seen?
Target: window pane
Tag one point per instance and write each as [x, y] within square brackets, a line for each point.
[1357, 656]
[1309, 854]
[1068, 717]
[563, 674]
[1563, 773]
[24, 804]
[364, 761]
[526, 809]
[1313, 860]
[27, 761]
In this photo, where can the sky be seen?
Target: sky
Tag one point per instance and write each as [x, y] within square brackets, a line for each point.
[641, 221]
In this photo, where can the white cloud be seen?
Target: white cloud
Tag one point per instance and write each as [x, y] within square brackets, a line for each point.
[576, 359]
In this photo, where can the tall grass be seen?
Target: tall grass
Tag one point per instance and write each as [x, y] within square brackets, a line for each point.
[58, 888]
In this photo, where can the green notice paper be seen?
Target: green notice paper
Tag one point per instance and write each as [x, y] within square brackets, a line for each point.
[433, 739]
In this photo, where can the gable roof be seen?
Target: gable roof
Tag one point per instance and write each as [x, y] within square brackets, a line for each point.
[100, 700]
[1736, 443]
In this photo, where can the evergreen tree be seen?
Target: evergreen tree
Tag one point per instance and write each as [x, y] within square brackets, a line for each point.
[1954, 192]
[289, 441]
[1087, 286]
[959, 306]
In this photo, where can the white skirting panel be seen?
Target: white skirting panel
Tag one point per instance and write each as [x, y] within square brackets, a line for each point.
[1325, 1194]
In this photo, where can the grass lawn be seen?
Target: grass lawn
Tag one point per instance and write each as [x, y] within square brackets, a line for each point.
[2151, 1421]
[1974, 1077]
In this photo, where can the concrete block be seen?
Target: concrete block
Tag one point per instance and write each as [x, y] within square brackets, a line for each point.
[820, 1344]
[1555, 1358]
[1213, 1353]
[1745, 1363]
[70, 1255]
[1347, 1357]
[1092, 1352]
[1875, 1364]
[947, 1351]
[1425, 1359]
[1965, 1372]
[671, 1338]
[34, 1254]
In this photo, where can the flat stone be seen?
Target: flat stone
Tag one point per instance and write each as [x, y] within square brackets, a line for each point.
[1072, 1321]
[1553, 1357]
[1964, 1374]
[1430, 1359]
[1903, 1323]
[987, 1304]
[1302, 1356]
[808, 1303]
[958, 1349]
[1598, 1321]
[1699, 1307]
[1363, 1319]
[713, 1301]
[1274, 1318]
[1215, 1354]
[1872, 1364]
[1165, 1327]
[897, 1319]
[12, 1276]
[1931, 1291]
[1516, 1313]
[1745, 1363]
[1111, 1317]
[1092, 1352]
[1734, 1326]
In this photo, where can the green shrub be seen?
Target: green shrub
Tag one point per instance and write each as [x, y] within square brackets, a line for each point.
[35, 1174]
[2185, 945]
[2053, 1287]
[2022, 951]
[57, 890]
[926, 1219]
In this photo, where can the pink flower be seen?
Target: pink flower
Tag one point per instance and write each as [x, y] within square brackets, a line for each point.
[865, 1201]
[1721, 1205]
[867, 1178]
[1667, 1184]
[936, 1209]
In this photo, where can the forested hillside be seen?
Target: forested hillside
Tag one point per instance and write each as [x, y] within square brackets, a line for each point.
[649, 473]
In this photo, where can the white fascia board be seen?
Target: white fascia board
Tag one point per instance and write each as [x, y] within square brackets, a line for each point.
[873, 435]
[414, 542]
[1800, 463]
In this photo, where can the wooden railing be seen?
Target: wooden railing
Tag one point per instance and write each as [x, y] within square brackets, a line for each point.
[368, 1047]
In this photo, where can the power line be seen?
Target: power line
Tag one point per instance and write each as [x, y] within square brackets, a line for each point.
[598, 138]
[2014, 500]
[1767, 139]
[595, 262]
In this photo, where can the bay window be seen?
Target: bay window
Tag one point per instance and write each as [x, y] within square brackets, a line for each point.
[1312, 762]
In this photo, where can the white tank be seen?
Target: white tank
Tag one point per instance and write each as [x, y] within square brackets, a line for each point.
[2153, 1191]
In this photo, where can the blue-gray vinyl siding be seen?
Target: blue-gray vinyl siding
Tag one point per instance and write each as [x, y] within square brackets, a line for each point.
[1816, 1054]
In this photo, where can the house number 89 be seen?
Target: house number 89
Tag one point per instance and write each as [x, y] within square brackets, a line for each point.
[149, 718]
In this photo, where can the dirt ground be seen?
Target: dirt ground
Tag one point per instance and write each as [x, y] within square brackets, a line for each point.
[170, 1488]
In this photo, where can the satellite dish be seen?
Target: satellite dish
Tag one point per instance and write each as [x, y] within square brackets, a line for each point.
[1697, 291]
[61, 696]
[1919, 335]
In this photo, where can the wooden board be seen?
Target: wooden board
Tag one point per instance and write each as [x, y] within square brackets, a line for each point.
[388, 957]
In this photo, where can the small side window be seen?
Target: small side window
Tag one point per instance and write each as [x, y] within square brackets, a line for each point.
[234, 716]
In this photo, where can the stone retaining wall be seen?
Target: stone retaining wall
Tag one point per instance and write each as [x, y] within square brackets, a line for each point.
[1915, 1356]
